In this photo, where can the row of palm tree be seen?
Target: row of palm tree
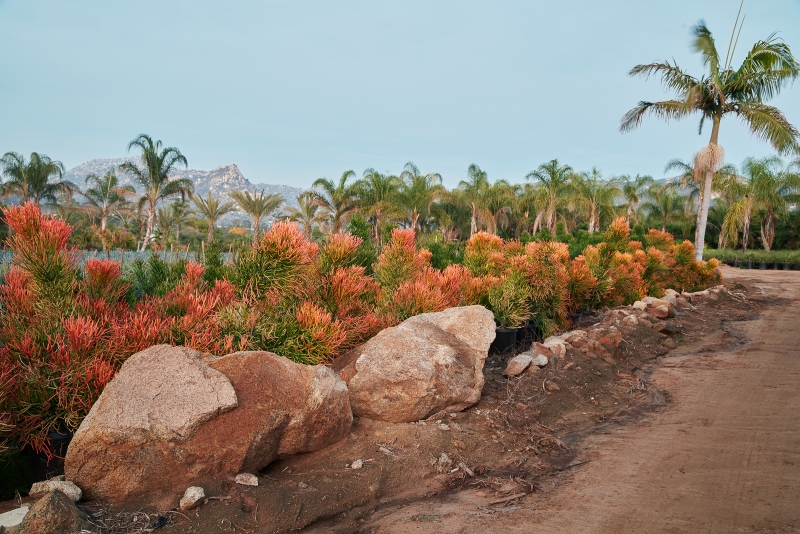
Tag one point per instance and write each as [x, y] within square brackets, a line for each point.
[554, 193]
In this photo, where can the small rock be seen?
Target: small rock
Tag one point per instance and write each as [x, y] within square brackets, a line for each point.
[40, 489]
[302, 485]
[458, 444]
[669, 343]
[639, 305]
[540, 361]
[14, 517]
[518, 364]
[358, 464]
[192, 496]
[55, 513]
[444, 427]
[538, 348]
[246, 479]
[443, 463]
[630, 320]
[666, 327]
[549, 385]
[570, 365]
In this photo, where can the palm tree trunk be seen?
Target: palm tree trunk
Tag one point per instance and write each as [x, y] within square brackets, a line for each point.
[630, 213]
[706, 201]
[256, 226]
[210, 234]
[697, 218]
[746, 230]
[151, 222]
[768, 230]
[537, 223]
[473, 223]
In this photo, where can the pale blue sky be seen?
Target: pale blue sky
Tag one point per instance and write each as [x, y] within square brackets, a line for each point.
[294, 90]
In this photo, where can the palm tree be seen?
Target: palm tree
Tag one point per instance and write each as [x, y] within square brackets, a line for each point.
[307, 214]
[595, 195]
[765, 70]
[501, 197]
[555, 182]
[377, 193]
[257, 206]
[531, 208]
[106, 195]
[474, 189]
[210, 209]
[165, 222]
[33, 181]
[632, 192]
[338, 199]
[153, 176]
[418, 192]
[665, 203]
[768, 186]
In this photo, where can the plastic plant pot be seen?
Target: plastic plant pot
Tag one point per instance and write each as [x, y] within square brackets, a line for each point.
[504, 341]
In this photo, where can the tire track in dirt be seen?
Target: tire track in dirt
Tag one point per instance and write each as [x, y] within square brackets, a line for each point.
[724, 456]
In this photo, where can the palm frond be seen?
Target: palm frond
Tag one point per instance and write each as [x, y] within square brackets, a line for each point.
[769, 124]
[668, 109]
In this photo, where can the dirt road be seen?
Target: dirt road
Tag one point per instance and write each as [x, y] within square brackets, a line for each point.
[724, 456]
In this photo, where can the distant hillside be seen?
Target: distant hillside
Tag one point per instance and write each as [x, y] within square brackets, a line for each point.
[219, 181]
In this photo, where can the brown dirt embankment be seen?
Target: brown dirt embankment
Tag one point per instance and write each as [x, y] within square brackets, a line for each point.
[722, 457]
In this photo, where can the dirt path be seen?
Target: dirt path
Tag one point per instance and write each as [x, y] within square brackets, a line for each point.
[724, 456]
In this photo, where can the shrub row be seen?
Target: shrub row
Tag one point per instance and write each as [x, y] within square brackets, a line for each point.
[66, 328]
[779, 257]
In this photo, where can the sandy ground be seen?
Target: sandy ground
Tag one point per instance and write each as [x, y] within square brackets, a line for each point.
[722, 457]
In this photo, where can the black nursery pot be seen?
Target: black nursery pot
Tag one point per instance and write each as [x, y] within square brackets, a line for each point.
[41, 469]
[504, 341]
[762, 266]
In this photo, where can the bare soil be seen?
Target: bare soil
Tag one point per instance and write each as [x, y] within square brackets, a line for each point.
[700, 438]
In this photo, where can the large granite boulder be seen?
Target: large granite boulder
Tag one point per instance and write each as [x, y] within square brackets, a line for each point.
[172, 417]
[429, 363]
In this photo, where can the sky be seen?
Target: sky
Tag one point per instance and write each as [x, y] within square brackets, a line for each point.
[291, 91]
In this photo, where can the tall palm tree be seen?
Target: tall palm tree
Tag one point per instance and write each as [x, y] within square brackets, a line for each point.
[724, 91]
[595, 195]
[664, 203]
[377, 193]
[257, 206]
[632, 191]
[153, 175]
[418, 192]
[37, 180]
[555, 182]
[308, 213]
[768, 186]
[106, 195]
[210, 209]
[474, 190]
[338, 199]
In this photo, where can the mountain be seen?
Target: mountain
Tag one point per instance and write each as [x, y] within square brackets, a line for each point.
[219, 181]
